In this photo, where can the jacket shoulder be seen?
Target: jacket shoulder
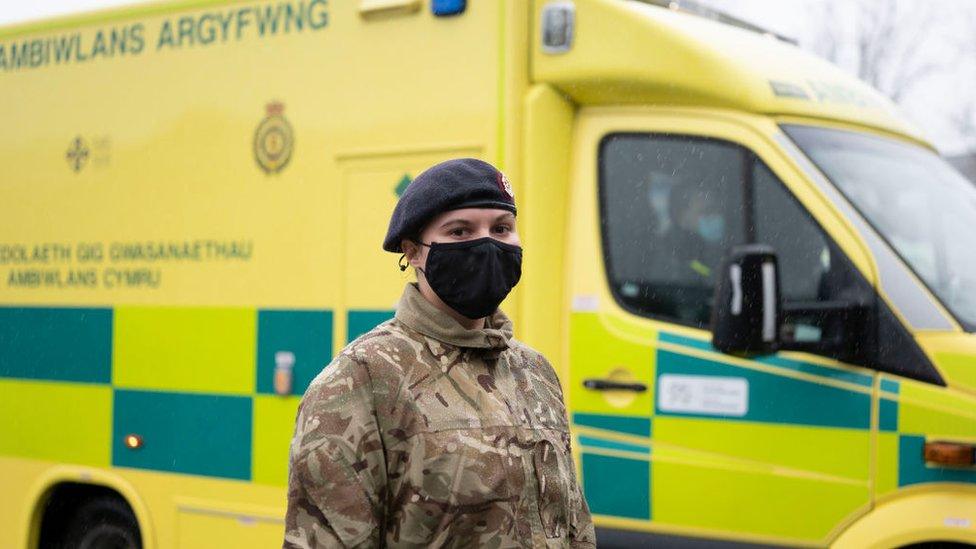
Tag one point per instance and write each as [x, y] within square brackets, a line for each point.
[354, 357]
[528, 353]
[531, 358]
[389, 353]
[378, 343]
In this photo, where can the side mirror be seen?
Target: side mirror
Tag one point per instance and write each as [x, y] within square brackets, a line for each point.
[747, 310]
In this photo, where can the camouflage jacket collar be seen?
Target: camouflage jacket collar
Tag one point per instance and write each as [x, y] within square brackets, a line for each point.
[420, 315]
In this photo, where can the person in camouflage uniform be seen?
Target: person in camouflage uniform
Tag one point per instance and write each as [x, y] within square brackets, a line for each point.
[435, 428]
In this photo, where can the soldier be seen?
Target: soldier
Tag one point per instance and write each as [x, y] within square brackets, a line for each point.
[438, 428]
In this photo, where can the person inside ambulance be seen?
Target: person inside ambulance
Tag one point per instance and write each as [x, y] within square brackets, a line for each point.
[437, 427]
[693, 238]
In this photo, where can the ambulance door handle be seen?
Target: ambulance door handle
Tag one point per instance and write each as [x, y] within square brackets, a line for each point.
[610, 385]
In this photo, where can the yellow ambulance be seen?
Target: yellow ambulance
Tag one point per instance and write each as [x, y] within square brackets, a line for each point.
[756, 281]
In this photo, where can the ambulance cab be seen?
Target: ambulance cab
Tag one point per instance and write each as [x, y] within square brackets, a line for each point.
[770, 286]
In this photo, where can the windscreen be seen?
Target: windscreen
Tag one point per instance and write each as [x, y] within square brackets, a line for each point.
[923, 208]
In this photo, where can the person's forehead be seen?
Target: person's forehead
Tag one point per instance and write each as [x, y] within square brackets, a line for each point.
[471, 215]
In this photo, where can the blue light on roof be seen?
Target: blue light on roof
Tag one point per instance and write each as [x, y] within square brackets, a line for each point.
[442, 8]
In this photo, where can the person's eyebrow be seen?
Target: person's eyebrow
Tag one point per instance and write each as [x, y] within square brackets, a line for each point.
[504, 216]
[458, 221]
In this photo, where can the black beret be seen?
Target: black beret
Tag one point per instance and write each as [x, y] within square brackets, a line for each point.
[450, 185]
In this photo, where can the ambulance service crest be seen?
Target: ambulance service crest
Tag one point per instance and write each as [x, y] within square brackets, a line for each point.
[274, 139]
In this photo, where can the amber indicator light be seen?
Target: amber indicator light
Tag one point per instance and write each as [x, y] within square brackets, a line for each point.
[950, 453]
[133, 442]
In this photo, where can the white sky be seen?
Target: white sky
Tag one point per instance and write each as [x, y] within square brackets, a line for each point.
[935, 100]
[932, 104]
[18, 11]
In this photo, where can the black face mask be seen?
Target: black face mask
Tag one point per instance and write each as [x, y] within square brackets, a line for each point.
[474, 276]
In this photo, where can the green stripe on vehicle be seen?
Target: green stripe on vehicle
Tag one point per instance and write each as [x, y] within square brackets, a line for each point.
[775, 398]
[595, 442]
[912, 468]
[360, 321]
[197, 434]
[56, 343]
[307, 335]
[640, 426]
[888, 414]
[617, 486]
[888, 407]
[890, 386]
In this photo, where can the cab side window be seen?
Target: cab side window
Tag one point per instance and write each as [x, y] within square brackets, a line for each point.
[672, 206]
[801, 247]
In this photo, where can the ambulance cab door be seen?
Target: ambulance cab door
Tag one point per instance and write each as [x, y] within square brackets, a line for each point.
[672, 436]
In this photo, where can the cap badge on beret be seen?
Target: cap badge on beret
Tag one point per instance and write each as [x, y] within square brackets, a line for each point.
[454, 184]
[504, 184]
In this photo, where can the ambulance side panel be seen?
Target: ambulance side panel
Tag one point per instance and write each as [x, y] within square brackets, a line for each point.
[191, 194]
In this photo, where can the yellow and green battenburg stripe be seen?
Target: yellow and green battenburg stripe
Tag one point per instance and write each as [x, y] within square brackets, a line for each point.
[808, 407]
[196, 383]
[615, 448]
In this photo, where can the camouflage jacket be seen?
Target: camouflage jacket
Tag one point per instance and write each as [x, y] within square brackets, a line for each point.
[423, 433]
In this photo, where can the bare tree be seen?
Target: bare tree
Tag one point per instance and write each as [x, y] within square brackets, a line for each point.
[963, 118]
[963, 121]
[881, 41]
[827, 36]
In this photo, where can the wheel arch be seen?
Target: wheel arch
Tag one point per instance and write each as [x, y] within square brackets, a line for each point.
[46, 484]
[930, 512]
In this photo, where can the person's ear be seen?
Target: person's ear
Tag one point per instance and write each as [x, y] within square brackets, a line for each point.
[411, 251]
[416, 258]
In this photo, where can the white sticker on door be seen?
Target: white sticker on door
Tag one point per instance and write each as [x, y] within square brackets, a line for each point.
[708, 395]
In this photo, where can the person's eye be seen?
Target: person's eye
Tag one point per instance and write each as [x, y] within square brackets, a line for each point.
[457, 232]
[502, 229]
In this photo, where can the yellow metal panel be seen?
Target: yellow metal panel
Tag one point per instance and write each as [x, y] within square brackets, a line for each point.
[371, 181]
[936, 411]
[274, 425]
[954, 354]
[68, 422]
[841, 453]
[248, 507]
[171, 162]
[185, 349]
[632, 52]
[18, 476]
[515, 21]
[886, 476]
[543, 206]
[597, 351]
[943, 513]
[708, 534]
[201, 527]
[757, 502]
